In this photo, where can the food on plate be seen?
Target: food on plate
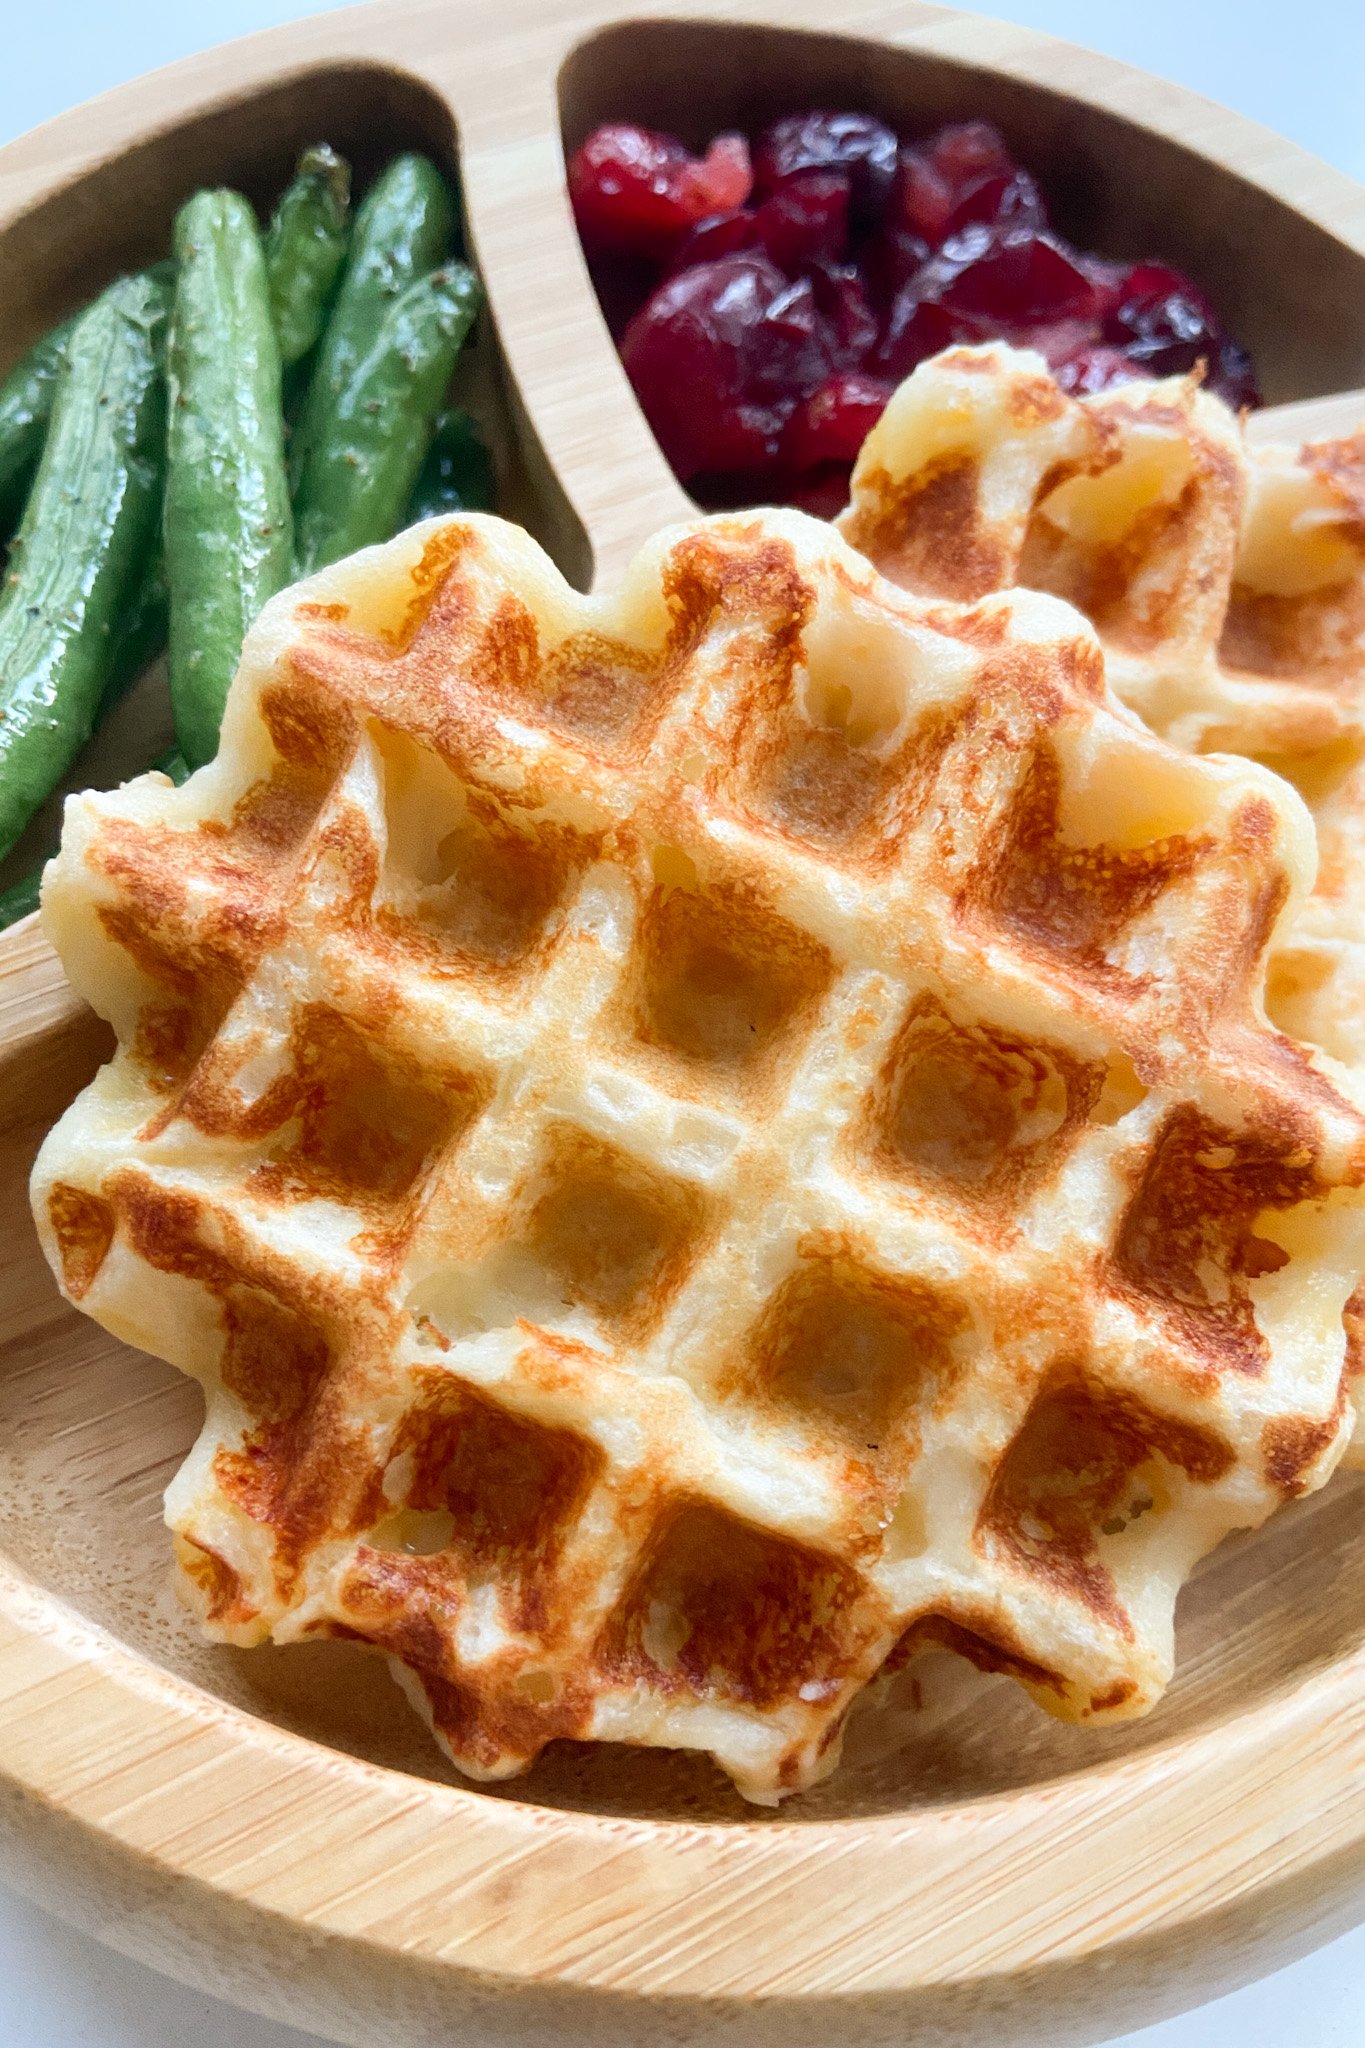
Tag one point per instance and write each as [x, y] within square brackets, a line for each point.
[359, 475]
[305, 248]
[341, 349]
[402, 233]
[457, 475]
[229, 534]
[702, 1140]
[87, 530]
[766, 300]
[1226, 580]
[25, 406]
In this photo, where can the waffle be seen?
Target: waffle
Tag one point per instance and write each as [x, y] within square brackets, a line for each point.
[701, 1141]
[1298, 616]
[1226, 581]
[1227, 585]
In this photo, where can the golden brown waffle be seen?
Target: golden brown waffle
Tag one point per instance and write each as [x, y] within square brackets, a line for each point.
[1226, 581]
[1298, 616]
[700, 1140]
[1227, 585]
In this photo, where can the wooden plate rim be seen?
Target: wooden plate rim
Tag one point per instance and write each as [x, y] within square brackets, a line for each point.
[1043, 1876]
[500, 79]
[1061, 1870]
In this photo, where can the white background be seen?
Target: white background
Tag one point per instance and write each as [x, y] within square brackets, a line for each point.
[1300, 69]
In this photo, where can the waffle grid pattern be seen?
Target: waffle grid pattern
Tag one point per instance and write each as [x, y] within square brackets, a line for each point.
[700, 1141]
[1226, 581]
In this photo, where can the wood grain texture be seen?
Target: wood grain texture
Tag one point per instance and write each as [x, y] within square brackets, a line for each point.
[1309, 419]
[273, 1824]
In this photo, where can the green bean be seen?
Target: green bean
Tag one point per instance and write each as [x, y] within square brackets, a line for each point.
[140, 631]
[138, 637]
[305, 246]
[89, 521]
[402, 230]
[227, 527]
[25, 402]
[358, 480]
[21, 897]
[457, 475]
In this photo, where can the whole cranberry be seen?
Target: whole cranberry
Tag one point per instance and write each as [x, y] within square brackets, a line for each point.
[832, 424]
[1166, 333]
[719, 356]
[1165, 325]
[806, 220]
[825, 141]
[1158, 317]
[636, 192]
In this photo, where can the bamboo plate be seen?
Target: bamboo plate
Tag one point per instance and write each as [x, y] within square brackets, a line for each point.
[274, 1825]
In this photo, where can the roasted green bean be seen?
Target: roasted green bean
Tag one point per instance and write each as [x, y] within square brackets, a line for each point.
[457, 475]
[402, 230]
[88, 526]
[25, 403]
[227, 529]
[359, 478]
[305, 247]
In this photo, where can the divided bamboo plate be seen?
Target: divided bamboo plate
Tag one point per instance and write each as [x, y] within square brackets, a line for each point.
[275, 1825]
